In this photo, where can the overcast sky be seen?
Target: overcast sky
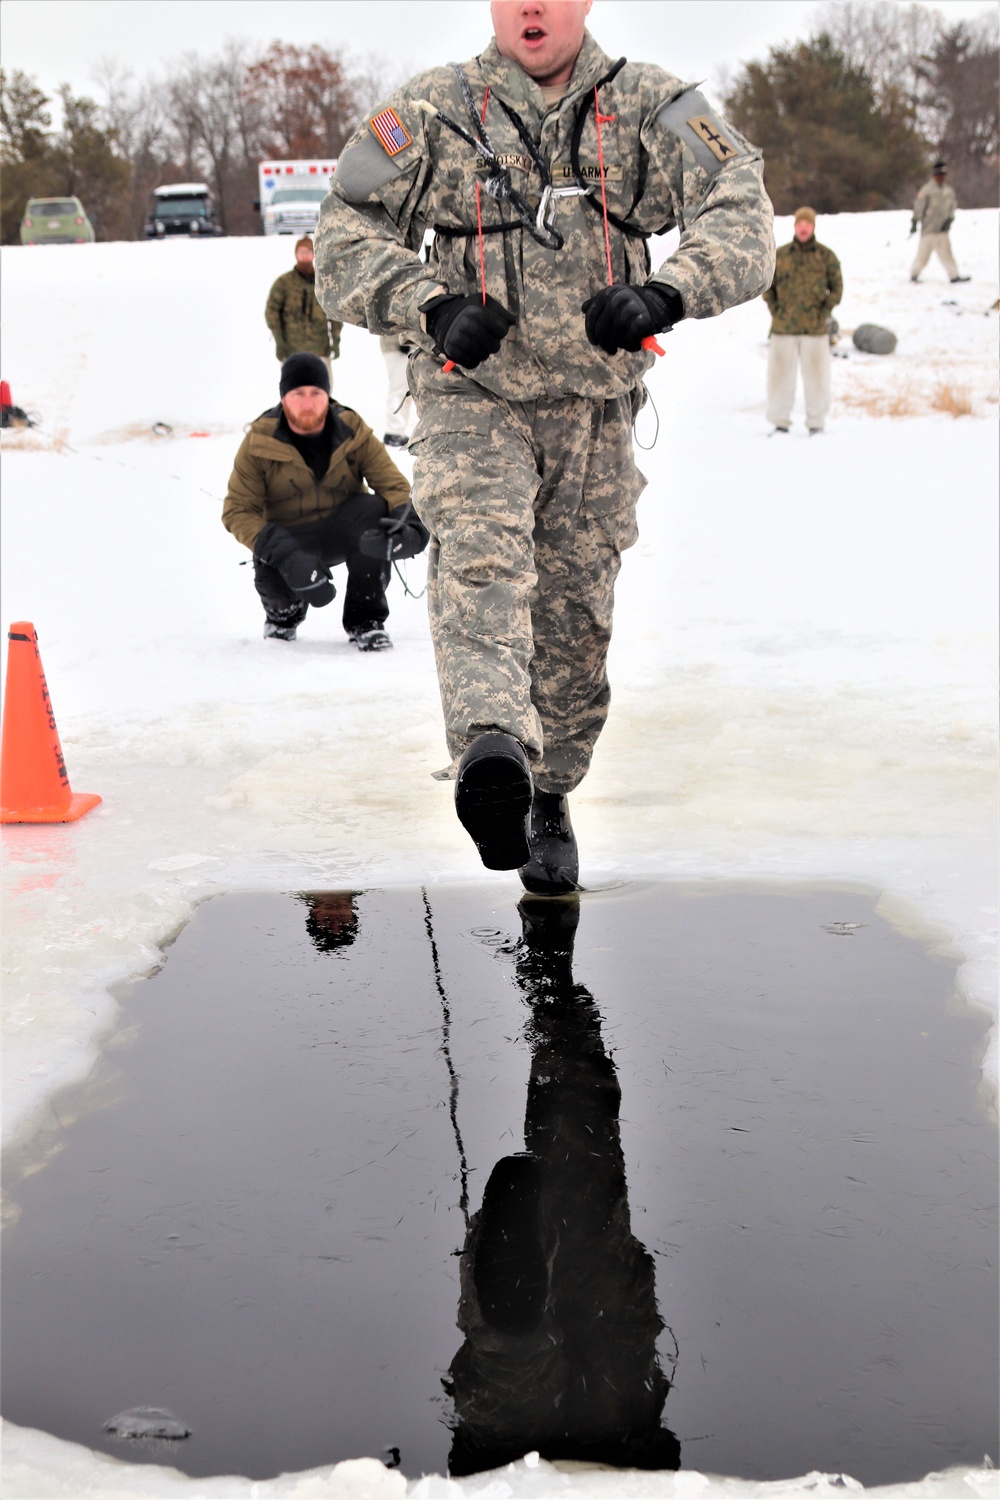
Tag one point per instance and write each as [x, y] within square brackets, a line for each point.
[59, 41]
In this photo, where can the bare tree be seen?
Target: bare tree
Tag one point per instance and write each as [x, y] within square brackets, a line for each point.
[305, 97]
[202, 118]
[209, 119]
[947, 75]
[892, 43]
[373, 78]
[137, 114]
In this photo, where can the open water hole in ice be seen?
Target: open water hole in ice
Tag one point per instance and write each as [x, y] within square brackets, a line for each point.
[664, 1175]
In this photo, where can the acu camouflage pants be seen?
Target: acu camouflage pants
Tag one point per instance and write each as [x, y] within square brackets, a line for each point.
[530, 505]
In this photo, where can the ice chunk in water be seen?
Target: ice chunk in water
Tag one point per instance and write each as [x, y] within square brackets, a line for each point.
[147, 1422]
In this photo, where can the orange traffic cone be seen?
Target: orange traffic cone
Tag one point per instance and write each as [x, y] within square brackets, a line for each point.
[34, 786]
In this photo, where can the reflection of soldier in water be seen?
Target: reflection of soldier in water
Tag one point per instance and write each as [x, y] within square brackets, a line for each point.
[558, 1303]
[332, 921]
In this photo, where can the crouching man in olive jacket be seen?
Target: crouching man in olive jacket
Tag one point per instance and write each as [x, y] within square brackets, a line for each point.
[311, 487]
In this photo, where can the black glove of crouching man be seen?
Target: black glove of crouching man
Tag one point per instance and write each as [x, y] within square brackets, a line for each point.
[467, 329]
[397, 536]
[621, 316]
[306, 574]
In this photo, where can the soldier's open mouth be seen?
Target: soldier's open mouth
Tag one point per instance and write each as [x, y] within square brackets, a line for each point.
[533, 34]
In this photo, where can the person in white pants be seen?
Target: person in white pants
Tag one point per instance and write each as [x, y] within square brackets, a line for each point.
[399, 403]
[933, 213]
[787, 354]
[806, 288]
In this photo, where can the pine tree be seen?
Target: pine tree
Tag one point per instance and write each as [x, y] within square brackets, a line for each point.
[826, 140]
[27, 170]
[962, 82]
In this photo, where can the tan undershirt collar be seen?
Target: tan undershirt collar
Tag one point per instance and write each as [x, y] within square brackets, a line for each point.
[554, 94]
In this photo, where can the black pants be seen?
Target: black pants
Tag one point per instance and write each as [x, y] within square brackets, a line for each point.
[335, 540]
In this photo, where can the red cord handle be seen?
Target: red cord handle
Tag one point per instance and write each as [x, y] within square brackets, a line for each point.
[449, 365]
[599, 120]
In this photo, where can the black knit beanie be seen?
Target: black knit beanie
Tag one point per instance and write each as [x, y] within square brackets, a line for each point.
[304, 369]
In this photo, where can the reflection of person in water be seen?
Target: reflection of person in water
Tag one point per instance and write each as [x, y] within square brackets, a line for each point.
[558, 1302]
[332, 921]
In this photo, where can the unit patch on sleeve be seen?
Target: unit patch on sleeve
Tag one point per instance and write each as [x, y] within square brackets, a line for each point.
[690, 117]
[390, 132]
[708, 131]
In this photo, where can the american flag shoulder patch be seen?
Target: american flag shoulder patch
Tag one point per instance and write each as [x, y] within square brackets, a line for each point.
[390, 132]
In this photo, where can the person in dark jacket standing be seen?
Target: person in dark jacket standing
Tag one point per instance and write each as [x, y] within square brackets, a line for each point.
[297, 322]
[806, 288]
[311, 487]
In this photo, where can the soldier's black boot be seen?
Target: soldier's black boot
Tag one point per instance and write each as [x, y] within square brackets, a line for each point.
[281, 624]
[554, 866]
[493, 799]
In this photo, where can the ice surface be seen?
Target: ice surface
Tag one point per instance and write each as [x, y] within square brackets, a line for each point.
[803, 669]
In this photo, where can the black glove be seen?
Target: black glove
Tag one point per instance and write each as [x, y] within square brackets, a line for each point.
[396, 537]
[913, 226]
[305, 573]
[621, 316]
[467, 329]
[947, 225]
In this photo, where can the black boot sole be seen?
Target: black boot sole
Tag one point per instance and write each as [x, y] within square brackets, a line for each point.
[538, 881]
[493, 800]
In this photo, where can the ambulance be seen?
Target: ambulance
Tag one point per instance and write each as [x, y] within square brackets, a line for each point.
[291, 193]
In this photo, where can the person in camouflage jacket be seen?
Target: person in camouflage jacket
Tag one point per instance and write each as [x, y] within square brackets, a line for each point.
[807, 286]
[526, 365]
[311, 487]
[297, 322]
[933, 214]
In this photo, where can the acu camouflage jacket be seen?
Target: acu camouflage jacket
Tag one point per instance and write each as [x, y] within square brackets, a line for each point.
[668, 161]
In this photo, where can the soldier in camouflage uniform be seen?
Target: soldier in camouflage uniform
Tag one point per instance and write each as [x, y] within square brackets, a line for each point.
[297, 322]
[526, 364]
[806, 288]
[933, 213]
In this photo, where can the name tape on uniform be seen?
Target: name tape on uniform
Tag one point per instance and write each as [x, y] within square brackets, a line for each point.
[590, 171]
[509, 159]
[390, 132]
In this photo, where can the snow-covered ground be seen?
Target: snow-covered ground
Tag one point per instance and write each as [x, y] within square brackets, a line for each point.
[804, 670]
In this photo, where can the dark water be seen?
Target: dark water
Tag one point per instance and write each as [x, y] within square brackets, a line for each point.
[397, 1171]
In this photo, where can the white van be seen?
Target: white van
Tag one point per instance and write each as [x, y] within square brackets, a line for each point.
[291, 193]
